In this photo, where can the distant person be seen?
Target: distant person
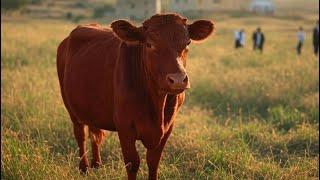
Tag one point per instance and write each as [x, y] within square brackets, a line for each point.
[242, 37]
[316, 39]
[236, 39]
[301, 37]
[258, 40]
[239, 39]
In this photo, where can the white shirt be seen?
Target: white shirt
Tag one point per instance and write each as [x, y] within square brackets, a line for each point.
[237, 35]
[301, 36]
[242, 39]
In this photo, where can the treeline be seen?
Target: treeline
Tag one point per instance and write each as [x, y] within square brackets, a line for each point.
[16, 4]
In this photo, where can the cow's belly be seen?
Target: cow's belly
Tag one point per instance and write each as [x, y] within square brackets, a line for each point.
[89, 90]
[92, 104]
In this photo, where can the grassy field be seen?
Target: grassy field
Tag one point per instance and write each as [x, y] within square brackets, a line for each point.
[247, 116]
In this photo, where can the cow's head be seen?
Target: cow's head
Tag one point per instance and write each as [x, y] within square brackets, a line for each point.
[165, 39]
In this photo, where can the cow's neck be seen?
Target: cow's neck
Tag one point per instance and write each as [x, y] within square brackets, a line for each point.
[163, 106]
[139, 82]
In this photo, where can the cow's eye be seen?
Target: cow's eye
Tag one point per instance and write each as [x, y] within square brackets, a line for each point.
[187, 46]
[149, 45]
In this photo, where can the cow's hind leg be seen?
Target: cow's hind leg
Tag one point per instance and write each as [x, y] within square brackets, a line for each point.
[79, 133]
[97, 136]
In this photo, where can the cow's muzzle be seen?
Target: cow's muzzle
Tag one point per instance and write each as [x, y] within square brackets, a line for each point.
[178, 81]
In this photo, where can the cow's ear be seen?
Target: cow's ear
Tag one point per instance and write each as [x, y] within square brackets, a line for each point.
[200, 30]
[126, 31]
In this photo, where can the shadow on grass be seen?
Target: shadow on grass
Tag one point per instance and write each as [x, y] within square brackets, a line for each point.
[256, 104]
[298, 144]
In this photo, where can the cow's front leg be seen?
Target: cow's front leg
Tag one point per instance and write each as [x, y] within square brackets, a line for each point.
[130, 154]
[154, 156]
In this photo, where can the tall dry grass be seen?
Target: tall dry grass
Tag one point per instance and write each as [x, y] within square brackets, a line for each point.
[247, 116]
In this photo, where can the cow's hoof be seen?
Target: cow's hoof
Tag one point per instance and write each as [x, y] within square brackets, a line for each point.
[83, 168]
[96, 165]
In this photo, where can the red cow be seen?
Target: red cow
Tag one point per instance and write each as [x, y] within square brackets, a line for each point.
[130, 80]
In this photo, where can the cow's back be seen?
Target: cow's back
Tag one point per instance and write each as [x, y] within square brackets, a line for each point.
[85, 62]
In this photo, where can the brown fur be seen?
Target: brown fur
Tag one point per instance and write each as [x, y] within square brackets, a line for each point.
[117, 80]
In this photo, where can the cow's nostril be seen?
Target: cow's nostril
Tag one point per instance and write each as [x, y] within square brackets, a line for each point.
[170, 80]
[185, 79]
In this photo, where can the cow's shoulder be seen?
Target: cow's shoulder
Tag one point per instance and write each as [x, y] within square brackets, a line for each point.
[90, 32]
[91, 37]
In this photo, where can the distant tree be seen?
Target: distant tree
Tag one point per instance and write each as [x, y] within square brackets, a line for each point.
[77, 18]
[35, 1]
[69, 15]
[16, 4]
[101, 10]
[80, 4]
[12, 4]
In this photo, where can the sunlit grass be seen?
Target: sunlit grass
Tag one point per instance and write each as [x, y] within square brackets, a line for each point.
[247, 116]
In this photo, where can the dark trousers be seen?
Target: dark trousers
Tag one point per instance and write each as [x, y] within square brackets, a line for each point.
[237, 44]
[316, 49]
[299, 47]
[258, 47]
